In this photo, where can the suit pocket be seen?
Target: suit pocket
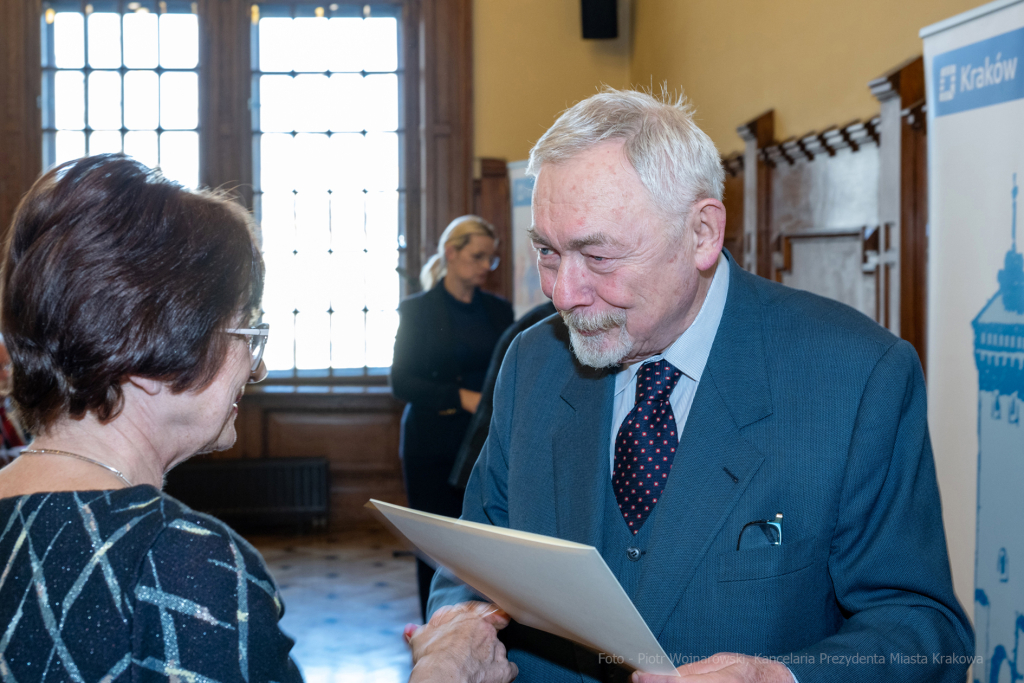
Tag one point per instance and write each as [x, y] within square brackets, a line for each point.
[765, 562]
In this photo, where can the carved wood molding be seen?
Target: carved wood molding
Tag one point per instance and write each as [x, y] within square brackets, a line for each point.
[733, 164]
[916, 116]
[760, 129]
[853, 136]
[905, 81]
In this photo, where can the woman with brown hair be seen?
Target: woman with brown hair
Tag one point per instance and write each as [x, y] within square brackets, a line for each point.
[129, 308]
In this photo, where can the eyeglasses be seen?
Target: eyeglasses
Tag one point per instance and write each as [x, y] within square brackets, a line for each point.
[257, 337]
[492, 261]
[770, 533]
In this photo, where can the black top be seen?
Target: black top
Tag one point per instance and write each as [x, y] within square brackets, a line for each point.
[133, 585]
[474, 337]
[443, 345]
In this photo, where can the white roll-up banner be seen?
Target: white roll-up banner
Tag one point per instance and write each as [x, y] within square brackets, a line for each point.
[974, 66]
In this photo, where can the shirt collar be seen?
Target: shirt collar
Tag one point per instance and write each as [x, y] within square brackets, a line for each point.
[689, 352]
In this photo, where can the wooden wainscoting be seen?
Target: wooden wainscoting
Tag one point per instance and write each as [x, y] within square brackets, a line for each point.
[355, 428]
[21, 158]
[492, 201]
[733, 201]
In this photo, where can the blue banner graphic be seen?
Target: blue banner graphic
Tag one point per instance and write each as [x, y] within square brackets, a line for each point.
[979, 75]
[999, 354]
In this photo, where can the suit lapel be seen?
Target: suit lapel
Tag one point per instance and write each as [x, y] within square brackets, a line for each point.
[715, 463]
[581, 455]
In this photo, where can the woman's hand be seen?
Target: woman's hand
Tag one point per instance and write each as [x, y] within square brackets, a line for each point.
[460, 644]
[470, 400]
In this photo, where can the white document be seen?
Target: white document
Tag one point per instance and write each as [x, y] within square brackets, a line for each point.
[557, 586]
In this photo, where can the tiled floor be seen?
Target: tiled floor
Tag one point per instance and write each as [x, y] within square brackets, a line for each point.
[347, 598]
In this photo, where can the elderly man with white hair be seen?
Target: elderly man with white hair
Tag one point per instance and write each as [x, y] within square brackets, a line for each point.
[679, 409]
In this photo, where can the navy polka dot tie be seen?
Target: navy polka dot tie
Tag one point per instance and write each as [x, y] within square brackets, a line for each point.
[646, 444]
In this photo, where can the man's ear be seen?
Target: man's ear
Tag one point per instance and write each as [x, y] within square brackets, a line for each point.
[709, 232]
[150, 386]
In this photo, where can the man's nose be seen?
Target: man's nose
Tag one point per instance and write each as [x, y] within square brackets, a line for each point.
[571, 288]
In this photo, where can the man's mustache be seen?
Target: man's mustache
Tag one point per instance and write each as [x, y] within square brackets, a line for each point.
[593, 322]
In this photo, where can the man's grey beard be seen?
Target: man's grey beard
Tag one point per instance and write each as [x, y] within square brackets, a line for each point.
[595, 351]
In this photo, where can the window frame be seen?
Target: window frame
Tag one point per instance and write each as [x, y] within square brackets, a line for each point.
[295, 9]
[47, 101]
[438, 164]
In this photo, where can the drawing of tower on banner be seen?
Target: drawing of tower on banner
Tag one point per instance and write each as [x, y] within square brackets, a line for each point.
[999, 558]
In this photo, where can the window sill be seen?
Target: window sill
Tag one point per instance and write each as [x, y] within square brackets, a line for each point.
[280, 396]
[358, 377]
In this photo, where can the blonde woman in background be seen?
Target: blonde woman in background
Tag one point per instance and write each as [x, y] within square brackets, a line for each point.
[444, 344]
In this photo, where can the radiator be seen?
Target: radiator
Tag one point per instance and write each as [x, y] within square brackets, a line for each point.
[256, 493]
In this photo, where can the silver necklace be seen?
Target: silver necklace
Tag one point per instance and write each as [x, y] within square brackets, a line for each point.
[53, 451]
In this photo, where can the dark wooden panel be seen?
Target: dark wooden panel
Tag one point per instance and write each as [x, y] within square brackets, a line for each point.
[361, 449]
[913, 230]
[21, 146]
[492, 200]
[363, 442]
[758, 134]
[733, 200]
[355, 428]
[447, 123]
[905, 187]
[225, 83]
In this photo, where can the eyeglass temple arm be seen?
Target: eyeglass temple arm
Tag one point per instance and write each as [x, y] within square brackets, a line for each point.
[254, 331]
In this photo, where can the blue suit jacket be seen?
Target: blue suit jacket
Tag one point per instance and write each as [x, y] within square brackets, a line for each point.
[806, 407]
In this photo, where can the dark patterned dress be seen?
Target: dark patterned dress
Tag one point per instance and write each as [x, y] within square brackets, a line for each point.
[131, 585]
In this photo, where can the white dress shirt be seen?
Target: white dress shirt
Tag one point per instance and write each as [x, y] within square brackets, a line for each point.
[688, 353]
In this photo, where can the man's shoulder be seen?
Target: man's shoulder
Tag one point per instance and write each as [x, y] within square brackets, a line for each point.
[543, 350]
[548, 335]
[542, 357]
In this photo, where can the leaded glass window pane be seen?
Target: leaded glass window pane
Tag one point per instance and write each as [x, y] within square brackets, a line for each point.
[327, 145]
[122, 77]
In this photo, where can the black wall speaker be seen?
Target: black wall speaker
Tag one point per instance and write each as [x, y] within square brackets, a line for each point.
[600, 18]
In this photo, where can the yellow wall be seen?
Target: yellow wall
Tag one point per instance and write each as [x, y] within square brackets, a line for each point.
[530, 62]
[810, 60]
